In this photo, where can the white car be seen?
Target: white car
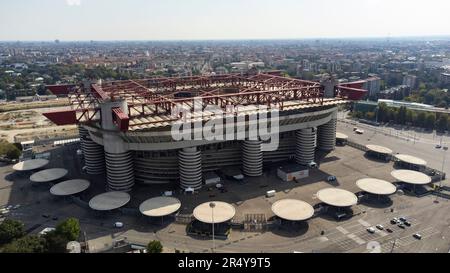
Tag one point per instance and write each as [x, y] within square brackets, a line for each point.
[371, 230]
[118, 225]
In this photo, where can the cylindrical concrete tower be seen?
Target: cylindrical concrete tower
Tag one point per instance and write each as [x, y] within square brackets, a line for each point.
[326, 136]
[120, 171]
[305, 148]
[83, 133]
[190, 167]
[119, 160]
[252, 156]
[94, 157]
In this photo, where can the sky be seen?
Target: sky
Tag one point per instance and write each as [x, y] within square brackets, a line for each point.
[69, 20]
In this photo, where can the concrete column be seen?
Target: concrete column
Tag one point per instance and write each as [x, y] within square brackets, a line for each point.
[305, 146]
[190, 168]
[252, 158]
[326, 136]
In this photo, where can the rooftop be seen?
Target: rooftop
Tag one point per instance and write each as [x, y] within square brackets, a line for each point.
[150, 102]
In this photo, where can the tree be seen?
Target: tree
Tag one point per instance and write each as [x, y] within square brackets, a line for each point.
[9, 150]
[421, 119]
[154, 247]
[13, 152]
[410, 116]
[383, 112]
[430, 121]
[55, 242]
[442, 123]
[69, 229]
[10, 230]
[27, 244]
[402, 115]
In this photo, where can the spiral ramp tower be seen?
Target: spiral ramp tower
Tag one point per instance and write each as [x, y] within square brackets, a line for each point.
[252, 158]
[94, 158]
[305, 148]
[190, 168]
[83, 133]
[326, 136]
[120, 171]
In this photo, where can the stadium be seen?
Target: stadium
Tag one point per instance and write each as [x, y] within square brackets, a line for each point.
[126, 126]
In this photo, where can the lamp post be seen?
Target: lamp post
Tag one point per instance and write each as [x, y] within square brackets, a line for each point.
[212, 205]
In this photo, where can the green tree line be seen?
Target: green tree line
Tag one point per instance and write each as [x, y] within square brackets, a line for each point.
[405, 116]
[13, 238]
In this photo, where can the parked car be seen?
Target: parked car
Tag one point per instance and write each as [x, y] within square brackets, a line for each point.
[403, 219]
[417, 236]
[371, 230]
[118, 225]
[438, 146]
[380, 227]
[389, 230]
[331, 178]
[395, 221]
[402, 226]
[406, 223]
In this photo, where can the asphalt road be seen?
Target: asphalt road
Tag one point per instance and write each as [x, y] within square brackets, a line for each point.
[402, 142]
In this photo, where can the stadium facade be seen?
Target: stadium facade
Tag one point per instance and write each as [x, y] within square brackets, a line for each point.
[126, 126]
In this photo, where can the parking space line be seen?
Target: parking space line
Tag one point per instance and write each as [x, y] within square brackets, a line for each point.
[364, 223]
[343, 230]
[355, 238]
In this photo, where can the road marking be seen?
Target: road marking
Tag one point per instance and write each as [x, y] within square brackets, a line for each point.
[355, 238]
[343, 230]
[364, 223]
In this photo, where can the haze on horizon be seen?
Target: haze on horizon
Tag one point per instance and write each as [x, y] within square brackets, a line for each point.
[70, 20]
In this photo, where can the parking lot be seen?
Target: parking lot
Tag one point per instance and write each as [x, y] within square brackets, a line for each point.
[320, 234]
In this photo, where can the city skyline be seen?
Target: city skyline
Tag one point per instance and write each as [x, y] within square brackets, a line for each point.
[100, 20]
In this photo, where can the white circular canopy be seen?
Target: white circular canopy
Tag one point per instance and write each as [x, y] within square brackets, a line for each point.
[341, 136]
[30, 165]
[48, 175]
[292, 210]
[411, 160]
[379, 149]
[160, 206]
[411, 177]
[222, 212]
[376, 186]
[109, 201]
[337, 197]
[70, 187]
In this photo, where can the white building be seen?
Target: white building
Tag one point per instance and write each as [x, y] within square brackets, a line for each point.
[410, 81]
[373, 85]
